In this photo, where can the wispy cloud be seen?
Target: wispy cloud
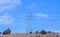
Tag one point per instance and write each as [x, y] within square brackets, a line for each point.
[31, 6]
[42, 15]
[6, 19]
[8, 4]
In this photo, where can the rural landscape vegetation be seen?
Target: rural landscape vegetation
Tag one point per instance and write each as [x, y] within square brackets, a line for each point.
[29, 18]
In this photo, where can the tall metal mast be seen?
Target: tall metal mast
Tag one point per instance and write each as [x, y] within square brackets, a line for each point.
[29, 20]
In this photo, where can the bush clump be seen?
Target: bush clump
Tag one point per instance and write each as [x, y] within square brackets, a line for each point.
[43, 32]
[7, 31]
[49, 31]
[36, 32]
[30, 32]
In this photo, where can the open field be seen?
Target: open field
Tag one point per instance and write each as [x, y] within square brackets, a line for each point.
[31, 35]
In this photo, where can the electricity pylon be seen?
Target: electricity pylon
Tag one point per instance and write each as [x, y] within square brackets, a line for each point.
[29, 21]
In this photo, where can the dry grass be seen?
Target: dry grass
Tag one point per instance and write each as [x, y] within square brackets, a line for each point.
[30, 35]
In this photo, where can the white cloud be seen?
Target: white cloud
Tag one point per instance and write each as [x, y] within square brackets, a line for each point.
[6, 19]
[42, 15]
[8, 4]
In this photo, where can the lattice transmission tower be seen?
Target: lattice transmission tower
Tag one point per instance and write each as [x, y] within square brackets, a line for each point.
[29, 22]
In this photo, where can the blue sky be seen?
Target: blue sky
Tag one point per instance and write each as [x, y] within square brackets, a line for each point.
[45, 15]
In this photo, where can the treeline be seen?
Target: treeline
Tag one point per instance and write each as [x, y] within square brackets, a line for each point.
[8, 31]
[42, 32]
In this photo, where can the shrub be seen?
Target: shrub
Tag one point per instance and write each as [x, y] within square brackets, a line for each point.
[36, 32]
[30, 32]
[43, 32]
[49, 31]
[0, 32]
[7, 31]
